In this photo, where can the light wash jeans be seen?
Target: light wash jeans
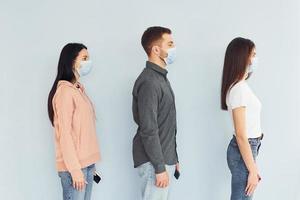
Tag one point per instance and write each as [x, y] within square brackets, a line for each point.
[238, 168]
[149, 190]
[69, 192]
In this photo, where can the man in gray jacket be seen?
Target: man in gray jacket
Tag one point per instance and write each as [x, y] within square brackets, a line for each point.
[153, 106]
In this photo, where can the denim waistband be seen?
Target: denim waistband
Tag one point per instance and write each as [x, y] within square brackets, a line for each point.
[252, 141]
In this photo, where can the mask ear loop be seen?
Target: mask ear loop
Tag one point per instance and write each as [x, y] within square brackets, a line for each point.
[75, 69]
[161, 58]
[164, 59]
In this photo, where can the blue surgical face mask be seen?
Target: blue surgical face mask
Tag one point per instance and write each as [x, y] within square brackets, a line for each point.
[171, 56]
[252, 67]
[85, 67]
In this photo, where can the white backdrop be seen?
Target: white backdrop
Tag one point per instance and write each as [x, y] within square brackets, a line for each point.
[33, 33]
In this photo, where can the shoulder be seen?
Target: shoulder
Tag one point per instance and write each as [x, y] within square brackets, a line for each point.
[149, 74]
[239, 91]
[147, 79]
[64, 92]
[149, 85]
[239, 88]
[238, 95]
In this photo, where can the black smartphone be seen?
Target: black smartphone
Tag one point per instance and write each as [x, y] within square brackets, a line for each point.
[97, 177]
[177, 174]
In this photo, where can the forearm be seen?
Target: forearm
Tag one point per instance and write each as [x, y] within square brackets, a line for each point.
[70, 156]
[246, 153]
[153, 150]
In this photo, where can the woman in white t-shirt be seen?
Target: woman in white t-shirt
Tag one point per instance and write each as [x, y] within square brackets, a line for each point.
[244, 109]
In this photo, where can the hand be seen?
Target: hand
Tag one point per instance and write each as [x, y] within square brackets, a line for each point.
[95, 171]
[253, 179]
[177, 167]
[259, 177]
[162, 179]
[79, 184]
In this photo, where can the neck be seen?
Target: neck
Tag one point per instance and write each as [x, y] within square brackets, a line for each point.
[158, 61]
[245, 76]
[76, 77]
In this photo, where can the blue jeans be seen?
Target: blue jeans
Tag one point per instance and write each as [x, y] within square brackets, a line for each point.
[69, 192]
[149, 190]
[238, 168]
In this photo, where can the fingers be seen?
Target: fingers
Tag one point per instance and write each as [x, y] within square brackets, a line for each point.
[162, 183]
[82, 185]
[166, 183]
[79, 185]
[177, 167]
[253, 180]
[247, 188]
[76, 185]
[162, 180]
[250, 189]
[159, 183]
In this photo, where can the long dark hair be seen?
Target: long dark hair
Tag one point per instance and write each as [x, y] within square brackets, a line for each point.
[64, 71]
[235, 65]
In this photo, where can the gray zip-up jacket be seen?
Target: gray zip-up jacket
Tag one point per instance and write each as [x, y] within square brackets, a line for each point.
[154, 112]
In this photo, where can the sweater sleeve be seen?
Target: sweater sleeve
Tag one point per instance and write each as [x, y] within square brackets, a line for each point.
[64, 110]
[147, 111]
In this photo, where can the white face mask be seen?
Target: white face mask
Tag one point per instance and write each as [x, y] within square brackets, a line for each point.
[253, 65]
[85, 67]
[171, 56]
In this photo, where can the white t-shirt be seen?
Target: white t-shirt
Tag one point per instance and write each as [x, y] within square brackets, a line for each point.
[241, 95]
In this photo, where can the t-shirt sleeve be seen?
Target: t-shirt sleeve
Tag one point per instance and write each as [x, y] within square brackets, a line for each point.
[238, 97]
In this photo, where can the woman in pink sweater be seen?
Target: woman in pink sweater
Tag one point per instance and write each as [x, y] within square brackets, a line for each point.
[72, 114]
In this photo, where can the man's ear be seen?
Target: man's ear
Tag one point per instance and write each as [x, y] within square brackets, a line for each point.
[156, 50]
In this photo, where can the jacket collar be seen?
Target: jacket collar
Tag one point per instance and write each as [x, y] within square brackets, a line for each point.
[156, 68]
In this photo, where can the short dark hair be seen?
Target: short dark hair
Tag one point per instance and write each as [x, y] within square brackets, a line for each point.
[235, 62]
[151, 35]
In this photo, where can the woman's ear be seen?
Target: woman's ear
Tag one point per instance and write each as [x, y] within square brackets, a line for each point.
[76, 64]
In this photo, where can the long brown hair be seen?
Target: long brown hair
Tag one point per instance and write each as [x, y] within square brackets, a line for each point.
[235, 65]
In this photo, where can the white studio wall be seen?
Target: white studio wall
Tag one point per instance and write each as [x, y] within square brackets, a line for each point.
[33, 34]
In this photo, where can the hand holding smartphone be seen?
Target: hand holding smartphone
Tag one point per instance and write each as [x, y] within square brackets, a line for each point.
[177, 174]
[97, 177]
